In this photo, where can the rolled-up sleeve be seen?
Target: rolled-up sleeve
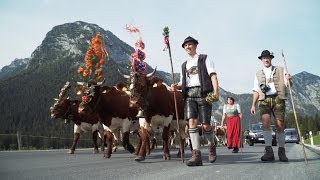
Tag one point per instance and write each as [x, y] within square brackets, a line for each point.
[180, 82]
[256, 86]
[210, 66]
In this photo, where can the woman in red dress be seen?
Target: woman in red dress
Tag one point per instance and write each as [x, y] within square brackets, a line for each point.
[233, 116]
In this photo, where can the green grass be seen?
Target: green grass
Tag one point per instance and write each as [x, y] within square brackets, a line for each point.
[316, 140]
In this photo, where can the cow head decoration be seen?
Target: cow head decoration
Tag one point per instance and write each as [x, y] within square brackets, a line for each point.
[59, 108]
[62, 109]
[89, 96]
[139, 85]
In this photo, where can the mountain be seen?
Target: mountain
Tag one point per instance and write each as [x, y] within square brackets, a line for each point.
[28, 86]
[14, 68]
[306, 93]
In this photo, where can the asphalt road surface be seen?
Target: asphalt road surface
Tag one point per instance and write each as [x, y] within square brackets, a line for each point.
[57, 164]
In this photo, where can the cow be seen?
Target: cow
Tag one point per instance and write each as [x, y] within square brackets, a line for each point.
[112, 106]
[180, 109]
[221, 135]
[67, 109]
[156, 102]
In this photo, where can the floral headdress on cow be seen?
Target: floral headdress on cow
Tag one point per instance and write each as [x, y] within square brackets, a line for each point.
[138, 56]
[91, 70]
[95, 57]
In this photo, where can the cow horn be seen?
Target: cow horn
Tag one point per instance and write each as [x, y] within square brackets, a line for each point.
[80, 83]
[100, 83]
[63, 90]
[152, 73]
[123, 75]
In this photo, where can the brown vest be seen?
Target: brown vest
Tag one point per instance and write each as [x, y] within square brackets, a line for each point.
[204, 78]
[278, 82]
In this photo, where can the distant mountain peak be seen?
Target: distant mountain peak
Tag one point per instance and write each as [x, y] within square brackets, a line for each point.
[14, 67]
[305, 74]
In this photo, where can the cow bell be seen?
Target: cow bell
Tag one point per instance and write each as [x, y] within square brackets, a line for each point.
[140, 114]
[67, 121]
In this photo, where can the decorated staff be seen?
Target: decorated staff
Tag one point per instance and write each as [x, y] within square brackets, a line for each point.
[166, 41]
[294, 111]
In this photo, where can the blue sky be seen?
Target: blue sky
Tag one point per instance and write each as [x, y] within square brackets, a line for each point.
[232, 33]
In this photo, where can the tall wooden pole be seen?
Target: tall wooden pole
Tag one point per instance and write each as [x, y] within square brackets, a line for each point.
[166, 39]
[294, 111]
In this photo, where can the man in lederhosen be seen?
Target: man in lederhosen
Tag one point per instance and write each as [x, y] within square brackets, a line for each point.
[198, 79]
[270, 90]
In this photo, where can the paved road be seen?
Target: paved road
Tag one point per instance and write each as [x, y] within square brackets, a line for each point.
[57, 164]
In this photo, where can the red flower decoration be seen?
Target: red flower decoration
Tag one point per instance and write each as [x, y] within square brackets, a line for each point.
[166, 39]
[94, 58]
[84, 99]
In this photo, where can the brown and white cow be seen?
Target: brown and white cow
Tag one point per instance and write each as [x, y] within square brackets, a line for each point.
[112, 106]
[155, 101]
[67, 109]
[174, 131]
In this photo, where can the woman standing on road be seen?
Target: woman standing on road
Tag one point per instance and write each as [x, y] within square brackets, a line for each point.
[233, 115]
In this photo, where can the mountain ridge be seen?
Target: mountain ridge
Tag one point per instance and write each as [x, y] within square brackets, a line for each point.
[28, 88]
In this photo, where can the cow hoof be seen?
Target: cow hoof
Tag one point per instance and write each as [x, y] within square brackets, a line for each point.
[131, 149]
[96, 151]
[139, 158]
[71, 151]
[107, 156]
[102, 149]
[166, 157]
[114, 149]
[179, 154]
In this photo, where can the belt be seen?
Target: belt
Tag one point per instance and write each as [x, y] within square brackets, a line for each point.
[193, 87]
[271, 96]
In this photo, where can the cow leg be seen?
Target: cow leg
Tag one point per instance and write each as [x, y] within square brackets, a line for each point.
[139, 144]
[182, 145]
[115, 141]
[165, 137]
[154, 143]
[103, 143]
[144, 138]
[95, 144]
[148, 146]
[126, 142]
[114, 145]
[76, 137]
[182, 136]
[172, 139]
[109, 137]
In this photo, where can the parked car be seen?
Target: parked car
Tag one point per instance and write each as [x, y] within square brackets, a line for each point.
[256, 134]
[291, 135]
